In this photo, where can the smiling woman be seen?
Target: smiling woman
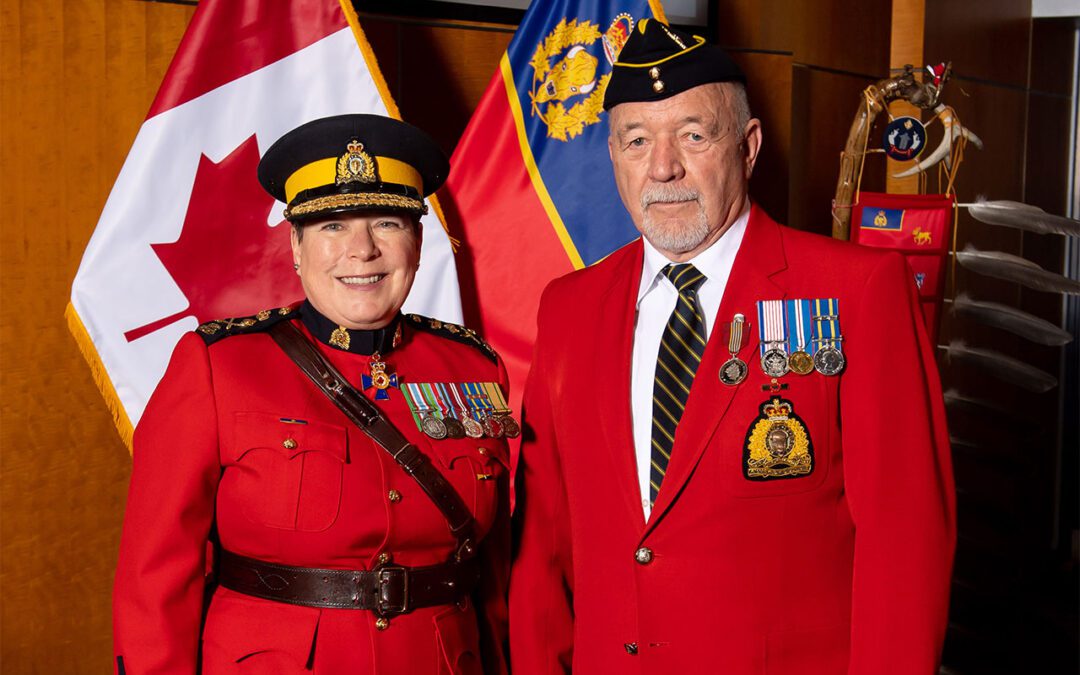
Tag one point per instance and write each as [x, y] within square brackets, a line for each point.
[344, 542]
[357, 269]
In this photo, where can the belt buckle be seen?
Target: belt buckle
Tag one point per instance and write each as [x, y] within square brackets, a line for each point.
[385, 577]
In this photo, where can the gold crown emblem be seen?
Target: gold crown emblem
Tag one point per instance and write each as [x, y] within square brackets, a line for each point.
[356, 166]
[777, 408]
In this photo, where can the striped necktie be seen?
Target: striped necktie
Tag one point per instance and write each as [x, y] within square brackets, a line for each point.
[681, 348]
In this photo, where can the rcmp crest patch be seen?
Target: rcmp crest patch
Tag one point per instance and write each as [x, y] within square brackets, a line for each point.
[777, 444]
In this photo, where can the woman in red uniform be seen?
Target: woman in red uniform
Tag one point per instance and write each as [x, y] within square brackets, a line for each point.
[331, 553]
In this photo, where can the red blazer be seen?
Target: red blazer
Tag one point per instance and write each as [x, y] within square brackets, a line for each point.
[209, 453]
[843, 570]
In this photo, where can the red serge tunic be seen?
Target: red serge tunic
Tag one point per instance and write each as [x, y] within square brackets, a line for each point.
[210, 455]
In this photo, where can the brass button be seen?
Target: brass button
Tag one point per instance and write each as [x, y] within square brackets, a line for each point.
[382, 624]
[643, 555]
[289, 444]
[631, 648]
[394, 496]
[658, 86]
[654, 73]
[483, 451]
[384, 558]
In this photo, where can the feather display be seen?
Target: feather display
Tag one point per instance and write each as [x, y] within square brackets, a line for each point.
[1014, 268]
[1002, 367]
[1022, 217]
[955, 400]
[1011, 319]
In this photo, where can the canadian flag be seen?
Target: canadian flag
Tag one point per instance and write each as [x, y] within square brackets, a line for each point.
[187, 234]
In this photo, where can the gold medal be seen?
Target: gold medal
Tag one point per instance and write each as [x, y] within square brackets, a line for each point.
[801, 363]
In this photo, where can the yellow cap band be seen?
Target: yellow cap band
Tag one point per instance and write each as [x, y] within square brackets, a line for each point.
[324, 172]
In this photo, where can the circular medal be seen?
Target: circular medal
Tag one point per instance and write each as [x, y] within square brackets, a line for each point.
[801, 363]
[829, 361]
[492, 428]
[511, 429]
[733, 371]
[775, 363]
[433, 427]
[472, 427]
[905, 138]
[454, 428]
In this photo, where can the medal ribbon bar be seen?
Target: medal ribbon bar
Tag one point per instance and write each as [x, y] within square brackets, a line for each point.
[412, 396]
[798, 312]
[772, 325]
[827, 323]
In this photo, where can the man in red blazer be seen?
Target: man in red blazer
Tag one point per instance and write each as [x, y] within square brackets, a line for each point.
[739, 466]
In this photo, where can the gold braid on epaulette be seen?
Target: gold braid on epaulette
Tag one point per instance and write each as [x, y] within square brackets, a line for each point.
[454, 332]
[211, 331]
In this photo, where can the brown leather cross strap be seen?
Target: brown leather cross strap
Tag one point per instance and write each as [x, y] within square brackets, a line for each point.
[387, 590]
[370, 420]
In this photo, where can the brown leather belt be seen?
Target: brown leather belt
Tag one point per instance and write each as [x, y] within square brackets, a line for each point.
[388, 590]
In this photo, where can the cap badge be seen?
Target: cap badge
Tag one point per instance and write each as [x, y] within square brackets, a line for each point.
[355, 166]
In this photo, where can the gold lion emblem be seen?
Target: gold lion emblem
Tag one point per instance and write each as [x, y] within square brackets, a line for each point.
[567, 95]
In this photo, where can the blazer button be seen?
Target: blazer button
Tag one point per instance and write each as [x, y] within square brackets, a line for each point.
[382, 624]
[394, 496]
[289, 444]
[643, 555]
[631, 648]
[384, 558]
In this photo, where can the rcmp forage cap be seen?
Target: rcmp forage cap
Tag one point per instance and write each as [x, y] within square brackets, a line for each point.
[659, 61]
[352, 163]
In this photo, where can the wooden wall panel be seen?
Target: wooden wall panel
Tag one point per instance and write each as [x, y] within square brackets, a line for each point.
[823, 106]
[438, 72]
[769, 91]
[77, 80]
[986, 40]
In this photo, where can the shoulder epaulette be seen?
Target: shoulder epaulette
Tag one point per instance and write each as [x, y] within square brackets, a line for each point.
[215, 330]
[452, 331]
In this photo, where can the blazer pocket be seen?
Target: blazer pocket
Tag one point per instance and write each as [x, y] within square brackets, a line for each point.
[288, 475]
[458, 642]
[801, 417]
[249, 635]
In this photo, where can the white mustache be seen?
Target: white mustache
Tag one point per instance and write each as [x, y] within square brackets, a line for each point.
[667, 194]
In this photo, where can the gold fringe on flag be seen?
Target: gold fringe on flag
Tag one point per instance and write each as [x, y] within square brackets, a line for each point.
[101, 377]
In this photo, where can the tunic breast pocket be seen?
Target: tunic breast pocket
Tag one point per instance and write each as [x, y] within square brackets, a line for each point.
[475, 467]
[287, 475]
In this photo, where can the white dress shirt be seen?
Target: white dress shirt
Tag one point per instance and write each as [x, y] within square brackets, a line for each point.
[655, 302]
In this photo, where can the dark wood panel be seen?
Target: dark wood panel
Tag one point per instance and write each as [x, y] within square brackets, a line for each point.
[437, 72]
[834, 34]
[823, 106]
[769, 90]
[987, 40]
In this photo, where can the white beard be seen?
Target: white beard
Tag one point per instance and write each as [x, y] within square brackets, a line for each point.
[678, 237]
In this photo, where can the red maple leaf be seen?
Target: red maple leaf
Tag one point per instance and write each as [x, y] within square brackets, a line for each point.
[228, 261]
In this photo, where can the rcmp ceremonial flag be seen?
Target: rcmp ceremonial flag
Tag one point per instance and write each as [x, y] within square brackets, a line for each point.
[187, 234]
[531, 185]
